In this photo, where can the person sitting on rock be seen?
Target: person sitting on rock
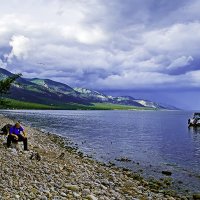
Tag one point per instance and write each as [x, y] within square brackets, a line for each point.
[15, 136]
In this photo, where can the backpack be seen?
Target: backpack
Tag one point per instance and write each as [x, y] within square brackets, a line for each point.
[5, 129]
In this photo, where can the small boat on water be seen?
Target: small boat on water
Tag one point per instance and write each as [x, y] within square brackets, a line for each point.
[195, 121]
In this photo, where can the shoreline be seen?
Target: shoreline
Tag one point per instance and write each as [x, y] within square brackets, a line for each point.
[68, 174]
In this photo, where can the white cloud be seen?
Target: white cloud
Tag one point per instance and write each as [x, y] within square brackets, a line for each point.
[193, 78]
[85, 35]
[180, 62]
[20, 47]
[178, 39]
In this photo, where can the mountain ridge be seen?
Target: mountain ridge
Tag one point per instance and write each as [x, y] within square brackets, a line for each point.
[52, 93]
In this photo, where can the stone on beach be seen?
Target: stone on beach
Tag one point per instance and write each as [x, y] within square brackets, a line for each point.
[91, 197]
[72, 187]
[123, 159]
[167, 173]
[196, 196]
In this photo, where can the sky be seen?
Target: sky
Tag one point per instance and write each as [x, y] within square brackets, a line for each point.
[143, 48]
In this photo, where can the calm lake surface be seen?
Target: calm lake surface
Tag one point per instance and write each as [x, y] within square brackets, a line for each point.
[152, 140]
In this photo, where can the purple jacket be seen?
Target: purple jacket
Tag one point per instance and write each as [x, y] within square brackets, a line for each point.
[16, 131]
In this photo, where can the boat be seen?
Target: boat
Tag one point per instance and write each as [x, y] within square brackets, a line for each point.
[195, 120]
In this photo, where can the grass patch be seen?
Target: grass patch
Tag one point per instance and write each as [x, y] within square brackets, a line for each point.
[110, 106]
[15, 104]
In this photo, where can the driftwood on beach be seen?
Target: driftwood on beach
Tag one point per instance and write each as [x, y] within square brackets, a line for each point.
[53, 170]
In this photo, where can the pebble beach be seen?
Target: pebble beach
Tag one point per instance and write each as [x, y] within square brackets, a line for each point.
[53, 170]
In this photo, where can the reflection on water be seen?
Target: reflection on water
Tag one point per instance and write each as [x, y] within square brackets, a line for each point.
[156, 140]
[194, 130]
[195, 135]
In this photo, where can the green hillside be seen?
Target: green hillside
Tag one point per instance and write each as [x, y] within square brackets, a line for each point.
[39, 93]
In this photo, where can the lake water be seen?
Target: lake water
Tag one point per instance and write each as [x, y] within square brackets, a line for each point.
[152, 140]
